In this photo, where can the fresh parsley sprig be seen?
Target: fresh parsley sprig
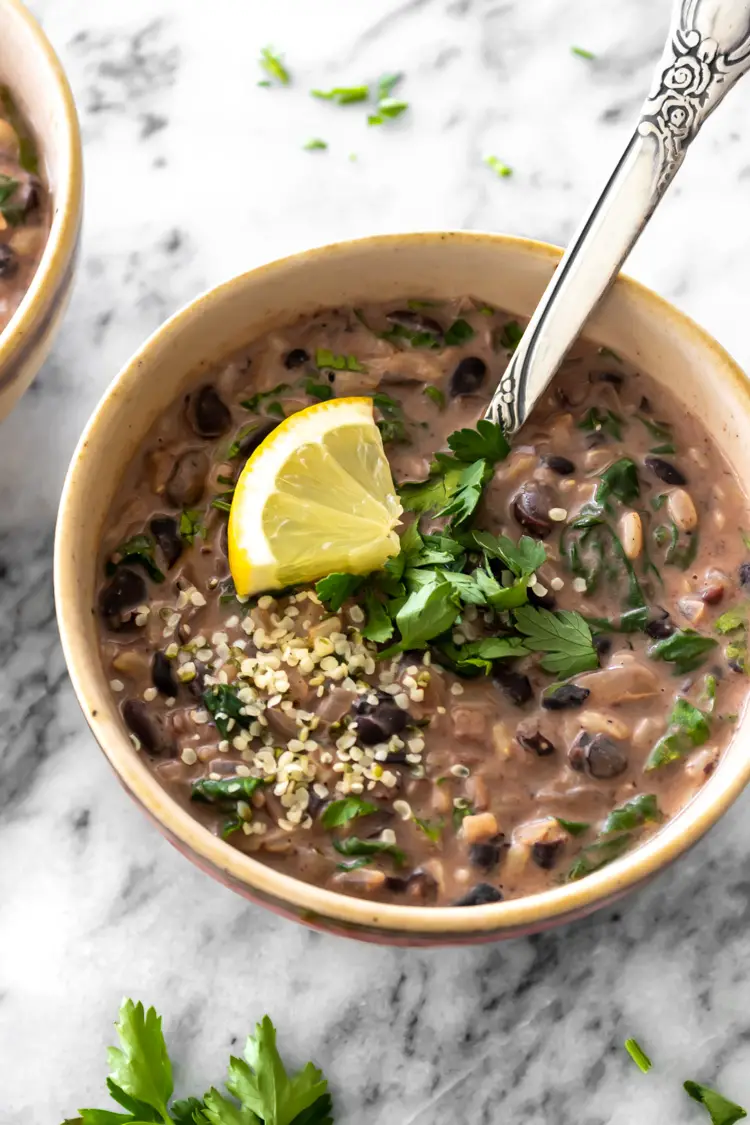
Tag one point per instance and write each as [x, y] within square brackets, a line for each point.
[261, 1091]
[564, 638]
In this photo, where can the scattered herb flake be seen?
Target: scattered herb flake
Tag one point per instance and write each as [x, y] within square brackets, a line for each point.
[582, 53]
[315, 144]
[334, 590]
[574, 827]
[640, 810]
[688, 727]
[686, 649]
[460, 332]
[638, 1055]
[138, 550]
[720, 1109]
[508, 337]
[327, 360]
[498, 167]
[347, 808]
[343, 95]
[191, 524]
[273, 66]
[353, 846]
[435, 395]
[388, 109]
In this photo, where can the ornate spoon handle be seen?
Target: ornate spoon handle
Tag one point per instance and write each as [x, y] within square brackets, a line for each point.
[707, 50]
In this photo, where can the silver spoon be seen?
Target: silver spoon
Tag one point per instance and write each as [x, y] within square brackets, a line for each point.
[707, 50]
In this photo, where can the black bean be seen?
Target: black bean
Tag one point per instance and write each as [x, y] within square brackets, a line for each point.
[420, 884]
[27, 193]
[250, 442]
[468, 376]
[602, 643]
[665, 470]
[197, 685]
[564, 696]
[545, 853]
[596, 439]
[162, 675]
[541, 601]
[535, 743]
[531, 505]
[614, 378]
[166, 532]
[377, 722]
[744, 574]
[514, 685]
[480, 895]
[415, 322]
[563, 466]
[187, 480]
[659, 624]
[8, 261]
[297, 357]
[598, 755]
[486, 856]
[117, 599]
[148, 727]
[209, 415]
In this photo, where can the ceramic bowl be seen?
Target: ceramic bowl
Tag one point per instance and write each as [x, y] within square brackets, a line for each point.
[510, 273]
[31, 70]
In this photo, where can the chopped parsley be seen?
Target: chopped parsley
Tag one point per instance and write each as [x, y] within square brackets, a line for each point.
[460, 332]
[688, 727]
[137, 551]
[343, 95]
[256, 401]
[321, 391]
[638, 1055]
[435, 395]
[573, 827]
[315, 144]
[596, 419]
[334, 589]
[274, 67]
[388, 108]
[327, 360]
[224, 705]
[498, 167]
[685, 648]
[191, 524]
[342, 811]
[352, 846]
[11, 212]
[636, 812]
[720, 1109]
[582, 53]
[564, 638]
[507, 337]
[226, 789]
[259, 1087]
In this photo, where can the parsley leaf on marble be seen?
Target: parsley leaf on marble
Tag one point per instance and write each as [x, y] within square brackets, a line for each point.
[499, 167]
[343, 95]
[582, 53]
[388, 108]
[273, 66]
[720, 1109]
[638, 1055]
[346, 809]
[564, 637]
[315, 144]
[262, 1091]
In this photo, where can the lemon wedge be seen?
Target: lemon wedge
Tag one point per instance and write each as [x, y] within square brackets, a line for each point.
[316, 496]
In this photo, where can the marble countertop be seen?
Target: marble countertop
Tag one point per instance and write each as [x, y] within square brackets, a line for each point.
[195, 173]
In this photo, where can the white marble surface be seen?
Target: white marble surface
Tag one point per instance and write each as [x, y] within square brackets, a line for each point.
[194, 173]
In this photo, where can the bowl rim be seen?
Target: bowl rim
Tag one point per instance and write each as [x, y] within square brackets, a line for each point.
[313, 903]
[67, 199]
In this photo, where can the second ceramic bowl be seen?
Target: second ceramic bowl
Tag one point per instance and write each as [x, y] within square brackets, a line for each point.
[509, 273]
[32, 72]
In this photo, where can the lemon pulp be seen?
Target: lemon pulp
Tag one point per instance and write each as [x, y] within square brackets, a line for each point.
[317, 496]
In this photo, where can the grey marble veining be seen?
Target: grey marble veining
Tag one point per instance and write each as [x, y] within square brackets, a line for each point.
[194, 173]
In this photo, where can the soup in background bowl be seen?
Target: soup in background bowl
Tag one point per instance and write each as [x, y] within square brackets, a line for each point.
[507, 793]
[41, 198]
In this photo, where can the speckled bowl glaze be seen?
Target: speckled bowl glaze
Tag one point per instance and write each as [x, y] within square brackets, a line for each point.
[510, 273]
[32, 71]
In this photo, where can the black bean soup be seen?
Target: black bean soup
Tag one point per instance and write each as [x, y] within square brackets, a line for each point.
[567, 686]
[24, 209]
